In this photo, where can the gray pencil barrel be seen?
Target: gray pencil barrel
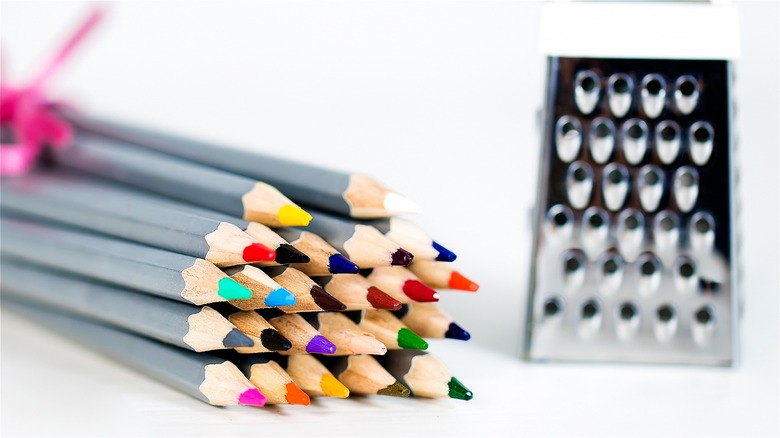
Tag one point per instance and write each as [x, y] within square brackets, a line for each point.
[334, 230]
[151, 270]
[158, 173]
[180, 369]
[304, 183]
[157, 318]
[81, 202]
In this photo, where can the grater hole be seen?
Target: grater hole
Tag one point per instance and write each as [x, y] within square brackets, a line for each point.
[568, 128]
[588, 83]
[632, 223]
[686, 270]
[590, 309]
[615, 176]
[704, 315]
[602, 130]
[610, 266]
[702, 225]
[701, 134]
[552, 306]
[620, 85]
[653, 87]
[636, 132]
[580, 174]
[665, 313]
[686, 179]
[647, 268]
[596, 221]
[668, 133]
[651, 178]
[572, 264]
[687, 88]
[627, 311]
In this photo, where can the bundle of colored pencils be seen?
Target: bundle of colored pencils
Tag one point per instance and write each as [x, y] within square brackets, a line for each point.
[198, 265]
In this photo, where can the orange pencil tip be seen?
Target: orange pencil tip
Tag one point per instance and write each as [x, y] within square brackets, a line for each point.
[459, 282]
[295, 396]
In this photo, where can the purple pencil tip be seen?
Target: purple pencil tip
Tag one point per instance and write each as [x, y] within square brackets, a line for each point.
[320, 344]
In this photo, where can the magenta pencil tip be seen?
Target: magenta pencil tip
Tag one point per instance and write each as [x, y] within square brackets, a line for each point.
[251, 397]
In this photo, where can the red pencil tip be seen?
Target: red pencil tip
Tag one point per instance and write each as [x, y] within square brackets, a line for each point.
[251, 397]
[257, 252]
[418, 291]
[381, 300]
[459, 282]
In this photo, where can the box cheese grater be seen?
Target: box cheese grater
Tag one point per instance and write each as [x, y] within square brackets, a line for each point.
[634, 255]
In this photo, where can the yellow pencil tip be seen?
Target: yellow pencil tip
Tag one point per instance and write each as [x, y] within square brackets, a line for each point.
[294, 216]
[332, 387]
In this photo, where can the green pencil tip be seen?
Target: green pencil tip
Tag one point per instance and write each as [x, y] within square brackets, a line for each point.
[230, 289]
[458, 391]
[411, 340]
[395, 389]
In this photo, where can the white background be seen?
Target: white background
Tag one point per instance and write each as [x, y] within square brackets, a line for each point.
[438, 99]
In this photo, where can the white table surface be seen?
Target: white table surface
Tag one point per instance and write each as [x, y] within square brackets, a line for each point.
[451, 89]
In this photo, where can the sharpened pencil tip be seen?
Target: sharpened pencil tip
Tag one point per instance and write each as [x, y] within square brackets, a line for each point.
[230, 289]
[380, 300]
[411, 340]
[395, 389]
[396, 204]
[251, 397]
[331, 386]
[320, 344]
[257, 252]
[445, 255]
[325, 300]
[280, 297]
[286, 254]
[274, 341]
[293, 216]
[458, 390]
[419, 292]
[338, 264]
[295, 396]
[402, 257]
[459, 282]
[456, 332]
[235, 339]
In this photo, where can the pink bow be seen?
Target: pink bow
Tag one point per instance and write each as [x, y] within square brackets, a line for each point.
[26, 111]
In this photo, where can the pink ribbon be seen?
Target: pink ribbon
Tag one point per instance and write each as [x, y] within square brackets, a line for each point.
[26, 111]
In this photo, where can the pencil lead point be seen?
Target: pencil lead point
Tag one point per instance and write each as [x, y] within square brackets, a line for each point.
[395, 389]
[286, 254]
[293, 216]
[338, 264]
[295, 396]
[251, 397]
[274, 341]
[257, 252]
[411, 340]
[456, 332]
[331, 386]
[445, 255]
[235, 339]
[419, 292]
[458, 391]
[320, 344]
[402, 257]
[459, 282]
[230, 289]
[396, 204]
[280, 297]
[380, 300]
[325, 300]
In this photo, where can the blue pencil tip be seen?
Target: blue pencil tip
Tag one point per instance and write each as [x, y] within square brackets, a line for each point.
[338, 264]
[456, 332]
[280, 297]
[445, 255]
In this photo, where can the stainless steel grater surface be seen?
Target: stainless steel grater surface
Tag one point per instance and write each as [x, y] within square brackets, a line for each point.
[634, 228]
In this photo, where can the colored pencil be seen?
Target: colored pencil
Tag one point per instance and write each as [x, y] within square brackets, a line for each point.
[388, 329]
[265, 291]
[310, 297]
[364, 245]
[323, 258]
[412, 238]
[179, 179]
[200, 375]
[356, 292]
[424, 374]
[344, 334]
[285, 252]
[183, 325]
[429, 321]
[343, 193]
[89, 204]
[362, 374]
[401, 284]
[313, 378]
[441, 276]
[260, 331]
[151, 270]
[304, 337]
[271, 379]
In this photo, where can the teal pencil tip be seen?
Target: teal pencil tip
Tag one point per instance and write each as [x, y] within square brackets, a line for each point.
[280, 297]
[230, 289]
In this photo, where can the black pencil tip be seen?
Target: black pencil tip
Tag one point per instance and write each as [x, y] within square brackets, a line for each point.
[236, 339]
[274, 340]
[287, 253]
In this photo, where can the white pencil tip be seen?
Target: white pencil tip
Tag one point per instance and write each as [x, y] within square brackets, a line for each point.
[397, 204]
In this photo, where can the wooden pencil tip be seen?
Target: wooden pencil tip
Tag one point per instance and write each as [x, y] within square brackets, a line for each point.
[293, 216]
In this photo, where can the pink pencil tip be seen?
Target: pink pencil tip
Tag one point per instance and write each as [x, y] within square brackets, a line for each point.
[251, 397]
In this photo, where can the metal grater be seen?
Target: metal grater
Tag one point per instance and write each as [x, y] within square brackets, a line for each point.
[634, 249]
